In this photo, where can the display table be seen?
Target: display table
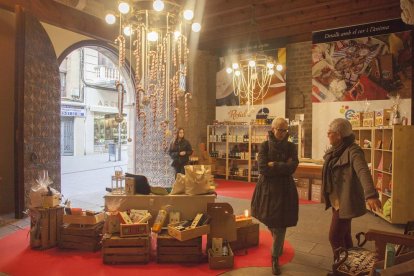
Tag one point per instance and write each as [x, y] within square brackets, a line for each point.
[188, 206]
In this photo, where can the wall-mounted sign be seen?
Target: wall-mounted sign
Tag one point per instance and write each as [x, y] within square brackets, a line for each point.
[72, 111]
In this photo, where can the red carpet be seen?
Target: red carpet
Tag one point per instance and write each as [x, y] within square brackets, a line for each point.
[241, 189]
[16, 258]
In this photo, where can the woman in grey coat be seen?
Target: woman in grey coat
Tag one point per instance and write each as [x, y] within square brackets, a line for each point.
[346, 183]
[275, 199]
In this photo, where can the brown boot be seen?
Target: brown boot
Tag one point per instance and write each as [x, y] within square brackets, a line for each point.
[276, 267]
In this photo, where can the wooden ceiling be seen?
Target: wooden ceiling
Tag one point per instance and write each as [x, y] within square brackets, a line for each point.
[227, 24]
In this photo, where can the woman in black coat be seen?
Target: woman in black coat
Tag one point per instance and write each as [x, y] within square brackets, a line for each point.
[275, 199]
[180, 150]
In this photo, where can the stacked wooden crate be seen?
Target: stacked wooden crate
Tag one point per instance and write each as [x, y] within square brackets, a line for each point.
[117, 250]
[45, 227]
[82, 237]
[171, 250]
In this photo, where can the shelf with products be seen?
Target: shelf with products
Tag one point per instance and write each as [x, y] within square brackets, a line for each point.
[391, 168]
[236, 147]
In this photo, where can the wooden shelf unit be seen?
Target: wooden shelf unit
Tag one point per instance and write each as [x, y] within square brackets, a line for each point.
[392, 167]
[224, 140]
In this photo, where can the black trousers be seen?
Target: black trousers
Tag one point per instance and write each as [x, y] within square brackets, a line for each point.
[340, 232]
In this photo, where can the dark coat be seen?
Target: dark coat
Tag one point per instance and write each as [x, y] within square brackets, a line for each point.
[176, 147]
[275, 199]
[353, 182]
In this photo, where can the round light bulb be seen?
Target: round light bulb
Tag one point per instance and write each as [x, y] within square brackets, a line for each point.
[177, 34]
[229, 70]
[128, 31]
[123, 7]
[152, 36]
[235, 65]
[279, 67]
[252, 63]
[270, 65]
[110, 18]
[158, 5]
[271, 72]
[196, 27]
[254, 76]
[237, 73]
[188, 14]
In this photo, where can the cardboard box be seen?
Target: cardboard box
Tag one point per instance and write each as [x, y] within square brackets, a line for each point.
[247, 236]
[368, 119]
[223, 221]
[129, 185]
[189, 233]
[303, 193]
[83, 219]
[316, 193]
[302, 182]
[112, 223]
[134, 230]
[171, 250]
[220, 262]
[382, 117]
[356, 119]
[50, 201]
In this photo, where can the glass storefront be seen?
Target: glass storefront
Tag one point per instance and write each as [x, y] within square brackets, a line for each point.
[106, 130]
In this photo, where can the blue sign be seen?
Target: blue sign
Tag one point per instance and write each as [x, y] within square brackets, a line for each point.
[72, 111]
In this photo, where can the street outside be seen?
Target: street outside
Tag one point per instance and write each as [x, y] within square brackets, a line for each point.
[84, 178]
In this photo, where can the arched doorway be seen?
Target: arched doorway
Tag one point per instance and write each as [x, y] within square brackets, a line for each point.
[93, 144]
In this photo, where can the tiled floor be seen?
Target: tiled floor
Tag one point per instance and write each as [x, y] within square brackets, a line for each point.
[309, 238]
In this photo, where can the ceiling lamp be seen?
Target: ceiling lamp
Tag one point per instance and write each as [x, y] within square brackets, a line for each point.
[252, 72]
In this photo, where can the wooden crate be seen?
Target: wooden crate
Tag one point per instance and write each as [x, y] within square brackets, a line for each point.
[171, 250]
[247, 236]
[117, 250]
[45, 227]
[88, 237]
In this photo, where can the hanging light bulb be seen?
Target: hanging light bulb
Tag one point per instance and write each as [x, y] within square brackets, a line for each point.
[270, 65]
[158, 5]
[152, 36]
[177, 34]
[235, 66]
[188, 14]
[110, 18]
[279, 67]
[123, 7]
[128, 31]
[271, 72]
[252, 63]
[229, 70]
[237, 73]
[196, 27]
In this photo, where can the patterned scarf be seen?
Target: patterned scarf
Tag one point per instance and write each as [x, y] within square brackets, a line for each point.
[331, 157]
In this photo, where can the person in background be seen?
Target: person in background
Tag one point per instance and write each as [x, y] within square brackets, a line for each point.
[346, 183]
[180, 150]
[275, 199]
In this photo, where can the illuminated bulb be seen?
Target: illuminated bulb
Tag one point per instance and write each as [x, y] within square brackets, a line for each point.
[177, 34]
[235, 65]
[279, 67]
[252, 63]
[271, 72]
[196, 27]
[229, 70]
[128, 30]
[188, 14]
[123, 7]
[152, 36]
[254, 76]
[237, 73]
[270, 65]
[110, 18]
[158, 5]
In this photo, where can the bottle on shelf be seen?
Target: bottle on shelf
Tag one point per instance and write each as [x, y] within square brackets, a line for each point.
[225, 248]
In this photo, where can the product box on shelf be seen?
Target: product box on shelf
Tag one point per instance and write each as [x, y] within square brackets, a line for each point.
[125, 250]
[247, 236]
[45, 227]
[356, 119]
[188, 234]
[382, 117]
[220, 261]
[316, 193]
[112, 222]
[171, 250]
[83, 219]
[368, 119]
[81, 237]
[303, 193]
[134, 230]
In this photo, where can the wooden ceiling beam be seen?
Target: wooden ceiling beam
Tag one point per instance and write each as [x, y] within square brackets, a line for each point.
[303, 32]
[280, 22]
[65, 17]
